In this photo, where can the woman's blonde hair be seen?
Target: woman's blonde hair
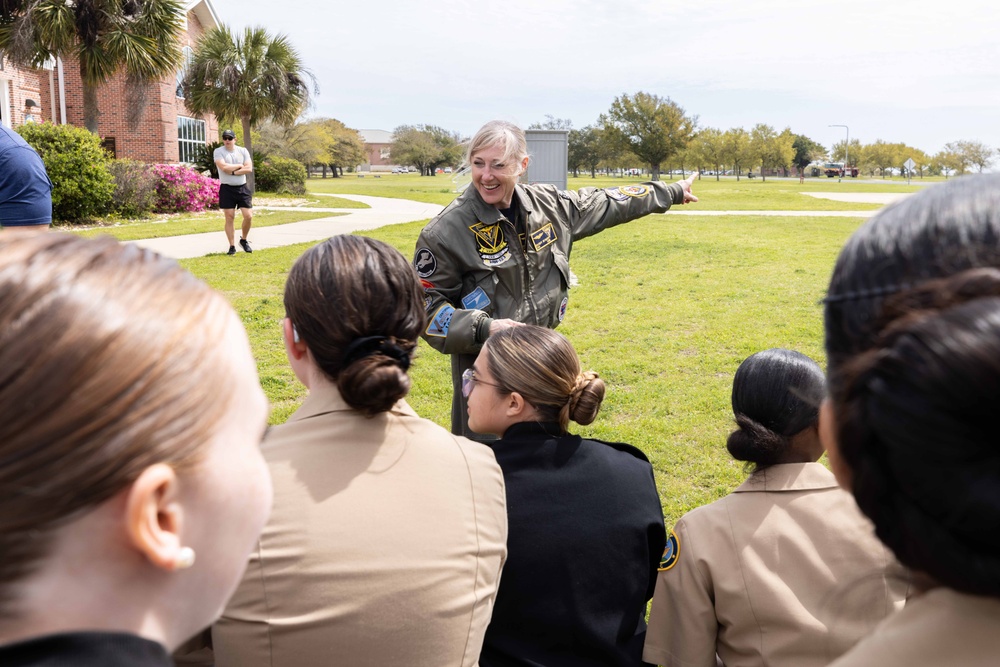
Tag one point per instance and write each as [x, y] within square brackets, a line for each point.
[542, 366]
[111, 360]
[499, 133]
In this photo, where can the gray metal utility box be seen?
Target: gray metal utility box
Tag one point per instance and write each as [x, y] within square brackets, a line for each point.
[549, 151]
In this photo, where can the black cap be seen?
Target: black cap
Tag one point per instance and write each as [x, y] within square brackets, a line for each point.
[228, 134]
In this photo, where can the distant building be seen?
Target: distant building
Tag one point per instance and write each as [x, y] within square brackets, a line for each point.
[167, 131]
[378, 144]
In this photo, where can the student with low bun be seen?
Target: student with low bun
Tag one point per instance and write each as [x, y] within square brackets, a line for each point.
[586, 526]
[912, 321]
[388, 533]
[784, 571]
[128, 503]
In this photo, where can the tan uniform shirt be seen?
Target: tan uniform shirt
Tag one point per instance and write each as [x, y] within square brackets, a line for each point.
[783, 571]
[384, 546]
[941, 628]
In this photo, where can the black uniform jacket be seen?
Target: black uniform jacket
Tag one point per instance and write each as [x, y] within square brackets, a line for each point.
[585, 536]
[85, 649]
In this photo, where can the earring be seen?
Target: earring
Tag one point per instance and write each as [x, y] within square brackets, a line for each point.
[185, 558]
[295, 335]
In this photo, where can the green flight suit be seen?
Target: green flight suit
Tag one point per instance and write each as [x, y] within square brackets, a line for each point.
[475, 268]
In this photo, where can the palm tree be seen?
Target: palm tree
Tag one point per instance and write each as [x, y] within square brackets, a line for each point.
[251, 77]
[139, 37]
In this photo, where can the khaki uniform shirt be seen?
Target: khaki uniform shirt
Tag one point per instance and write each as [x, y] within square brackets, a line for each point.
[475, 265]
[384, 546]
[940, 628]
[783, 571]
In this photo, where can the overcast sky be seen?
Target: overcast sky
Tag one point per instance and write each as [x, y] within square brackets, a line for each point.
[921, 72]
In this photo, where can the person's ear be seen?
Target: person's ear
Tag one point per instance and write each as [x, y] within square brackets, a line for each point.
[154, 518]
[294, 346]
[524, 163]
[516, 405]
[828, 438]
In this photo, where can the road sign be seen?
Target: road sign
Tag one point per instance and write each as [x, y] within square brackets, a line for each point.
[909, 164]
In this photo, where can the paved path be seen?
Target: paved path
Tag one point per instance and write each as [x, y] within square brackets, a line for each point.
[865, 197]
[383, 211]
[387, 211]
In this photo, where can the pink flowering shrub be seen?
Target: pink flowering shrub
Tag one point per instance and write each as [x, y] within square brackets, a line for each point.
[181, 189]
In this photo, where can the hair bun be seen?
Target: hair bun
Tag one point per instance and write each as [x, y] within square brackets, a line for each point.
[586, 398]
[755, 443]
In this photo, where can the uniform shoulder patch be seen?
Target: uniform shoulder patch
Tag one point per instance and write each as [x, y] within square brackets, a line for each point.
[616, 194]
[425, 263]
[441, 321]
[476, 300]
[670, 553]
[634, 190]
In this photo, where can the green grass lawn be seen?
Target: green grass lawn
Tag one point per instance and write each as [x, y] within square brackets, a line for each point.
[666, 310]
[187, 223]
[726, 194]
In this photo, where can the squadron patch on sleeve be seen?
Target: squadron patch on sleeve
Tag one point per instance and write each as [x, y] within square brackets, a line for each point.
[562, 308]
[476, 300]
[544, 237]
[491, 243]
[634, 190]
[441, 321]
[670, 553]
[616, 194]
[425, 263]
[426, 284]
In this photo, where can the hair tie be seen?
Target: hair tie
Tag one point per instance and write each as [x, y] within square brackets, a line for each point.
[369, 345]
[870, 293]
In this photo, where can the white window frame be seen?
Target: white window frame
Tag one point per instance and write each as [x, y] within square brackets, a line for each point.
[189, 139]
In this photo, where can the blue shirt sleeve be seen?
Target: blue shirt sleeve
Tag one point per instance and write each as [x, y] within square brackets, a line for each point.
[25, 189]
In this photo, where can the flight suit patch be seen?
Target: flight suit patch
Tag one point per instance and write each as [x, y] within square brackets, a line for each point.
[426, 284]
[491, 243]
[616, 194]
[634, 190]
[670, 553]
[440, 322]
[544, 237]
[562, 308]
[425, 263]
[476, 300]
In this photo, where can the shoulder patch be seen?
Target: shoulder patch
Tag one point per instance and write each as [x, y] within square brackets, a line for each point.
[634, 190]
[425, 262]
[616, 194]
[441, 321]
[426, 284]
[670, 553]
[562, 308]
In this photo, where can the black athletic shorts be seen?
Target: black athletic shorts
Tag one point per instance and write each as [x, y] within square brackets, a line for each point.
[235, 196]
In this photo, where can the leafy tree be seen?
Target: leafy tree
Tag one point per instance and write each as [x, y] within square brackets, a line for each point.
[345, 147]
[974, 154]
[948, 161]
[769, 149]
[654, 128]
[882, 155]
[807, 151]
[426, 147]
[306, 143]
[587, 147]
[137, 37]
[736, 149]
[552, 123]
[709, 149]
[251, 77]
[837, 153]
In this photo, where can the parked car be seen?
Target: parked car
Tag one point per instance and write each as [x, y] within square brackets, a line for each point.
[447, 170]
[399, 170]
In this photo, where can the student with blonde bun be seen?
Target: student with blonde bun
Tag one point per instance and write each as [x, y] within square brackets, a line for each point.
[586, 527]
[784, 571]
[129, 501]
[912, 321]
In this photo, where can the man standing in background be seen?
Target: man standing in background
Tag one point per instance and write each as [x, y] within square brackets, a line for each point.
[234, 164]
[25, 188]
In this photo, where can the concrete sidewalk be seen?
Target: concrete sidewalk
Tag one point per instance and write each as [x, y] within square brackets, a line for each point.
[383, 211]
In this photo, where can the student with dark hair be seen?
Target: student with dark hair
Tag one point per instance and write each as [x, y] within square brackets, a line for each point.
[127, 506]
[388, 533]
[586, 526]
[913, 339]
[784, 571]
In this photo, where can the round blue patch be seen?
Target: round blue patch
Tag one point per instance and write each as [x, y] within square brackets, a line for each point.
[670, 553]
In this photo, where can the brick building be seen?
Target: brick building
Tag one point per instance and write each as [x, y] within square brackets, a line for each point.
[378, 145]
[167, 131]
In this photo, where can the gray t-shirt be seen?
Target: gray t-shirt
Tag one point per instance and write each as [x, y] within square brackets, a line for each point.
[238, 155]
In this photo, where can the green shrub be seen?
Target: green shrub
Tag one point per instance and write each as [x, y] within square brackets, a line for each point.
[205, 159]
[82, 185]
[135, 188]
[281, 175]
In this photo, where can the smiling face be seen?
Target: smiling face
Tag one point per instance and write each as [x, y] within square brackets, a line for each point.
[494, 175]
[486, 405]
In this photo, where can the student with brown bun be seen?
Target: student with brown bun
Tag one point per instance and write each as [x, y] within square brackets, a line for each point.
[388, 533]
[127, 505]
[586, 526]
[784, 571]
[912, 321]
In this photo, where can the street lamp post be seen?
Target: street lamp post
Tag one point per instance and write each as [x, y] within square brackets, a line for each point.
[847, 148]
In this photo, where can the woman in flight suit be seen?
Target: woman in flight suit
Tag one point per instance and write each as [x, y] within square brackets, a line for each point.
[784, 571]
[913, 341]
[499, 254]
[586, 527]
